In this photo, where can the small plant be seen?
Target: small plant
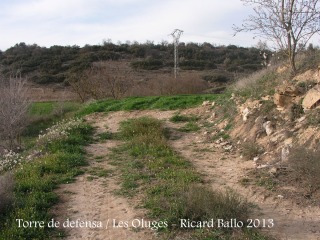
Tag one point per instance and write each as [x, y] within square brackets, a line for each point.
[183, 118]
[314, 117]
[251, 150]
[190, 127]
[296, 111]
[105, 136]
[9, 160]
[267, 182]
[306, 166]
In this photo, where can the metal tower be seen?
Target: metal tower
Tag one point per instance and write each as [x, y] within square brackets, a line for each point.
[176, 36]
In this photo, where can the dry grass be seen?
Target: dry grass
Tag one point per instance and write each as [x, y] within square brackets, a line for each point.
[199, 203]
[306, 167]
[260, 83]
[165, 84]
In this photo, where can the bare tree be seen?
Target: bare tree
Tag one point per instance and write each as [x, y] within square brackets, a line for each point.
[102, 80]
[287, 23]
[13, 109]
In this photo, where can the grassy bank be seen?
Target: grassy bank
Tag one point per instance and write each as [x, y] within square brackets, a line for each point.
[36, 179]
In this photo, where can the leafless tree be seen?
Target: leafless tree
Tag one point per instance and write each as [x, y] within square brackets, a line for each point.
[13, 109]
[287, 23]
[102, 80]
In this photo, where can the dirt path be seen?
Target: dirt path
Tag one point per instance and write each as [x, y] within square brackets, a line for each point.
[96, 199]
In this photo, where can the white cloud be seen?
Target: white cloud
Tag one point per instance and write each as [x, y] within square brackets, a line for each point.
[69, 22]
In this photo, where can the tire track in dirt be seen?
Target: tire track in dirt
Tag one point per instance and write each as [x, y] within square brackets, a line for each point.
[95, 200]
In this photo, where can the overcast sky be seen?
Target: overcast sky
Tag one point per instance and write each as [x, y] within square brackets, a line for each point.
[80, 22]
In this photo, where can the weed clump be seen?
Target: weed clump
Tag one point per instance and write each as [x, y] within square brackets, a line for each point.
[200, 204]
[183, 118]
[306, 167]
[251, 150]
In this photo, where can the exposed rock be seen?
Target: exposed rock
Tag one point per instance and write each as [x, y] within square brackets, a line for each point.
[280, 196]
[263, 166]
[228, 147]
[245, 113]
[289, 90]
[301, 119]
[285, 153]
[266, 98]
[310, 74]
[268, 127]
[282, 100]
[273, 170]
[206, 103]
[288, 142]
[312, 98]
[247, 108]
[285, 94]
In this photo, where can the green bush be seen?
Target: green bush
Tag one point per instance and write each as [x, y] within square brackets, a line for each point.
[152, 64]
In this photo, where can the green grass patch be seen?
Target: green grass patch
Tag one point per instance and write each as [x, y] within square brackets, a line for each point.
[100, 172]
[152, 102]
[183, 118]
[47, 108]
[105, 136]
[41, 108]
[35, 181]
[190, 127]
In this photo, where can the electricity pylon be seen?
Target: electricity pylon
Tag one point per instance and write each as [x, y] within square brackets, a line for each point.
[176, 36]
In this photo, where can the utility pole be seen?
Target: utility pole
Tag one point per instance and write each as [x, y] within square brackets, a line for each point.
[176, 36]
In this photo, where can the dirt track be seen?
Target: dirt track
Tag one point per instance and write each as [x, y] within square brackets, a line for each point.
[96, 199]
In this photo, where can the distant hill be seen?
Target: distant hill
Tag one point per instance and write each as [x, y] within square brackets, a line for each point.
[44, 65]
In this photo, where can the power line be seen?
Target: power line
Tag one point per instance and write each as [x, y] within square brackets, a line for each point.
[176, 36]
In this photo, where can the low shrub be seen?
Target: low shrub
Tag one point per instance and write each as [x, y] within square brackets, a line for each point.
[306, 166]
[200, 204]
[250, 150]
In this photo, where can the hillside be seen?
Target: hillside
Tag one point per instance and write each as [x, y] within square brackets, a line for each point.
[141, 65]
